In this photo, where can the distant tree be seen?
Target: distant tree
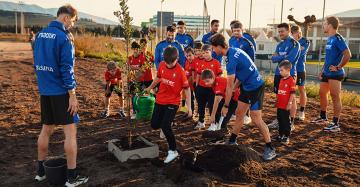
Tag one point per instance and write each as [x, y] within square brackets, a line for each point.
[136, 34]
[108, 31]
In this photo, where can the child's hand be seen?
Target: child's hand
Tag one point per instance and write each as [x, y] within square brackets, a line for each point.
[212, 119]
[224, 111]
[147, 90]
[288, 107]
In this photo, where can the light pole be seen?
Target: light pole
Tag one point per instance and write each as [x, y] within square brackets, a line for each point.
[282, 10]
[251, 2]
[21, 17]
[236, 3]
[16, 22]
[321, 36]
[224, 17]
[161, 22]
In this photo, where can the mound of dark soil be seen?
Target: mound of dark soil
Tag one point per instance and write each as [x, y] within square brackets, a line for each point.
[235, 163]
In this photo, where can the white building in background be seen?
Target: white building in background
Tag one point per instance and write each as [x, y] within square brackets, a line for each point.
[193, 23]
[265, 45]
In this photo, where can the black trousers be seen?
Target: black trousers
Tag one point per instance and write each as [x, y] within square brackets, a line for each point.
[162, 117]
[231, 110]
[283, 117]
[192, 100]
[205, 98]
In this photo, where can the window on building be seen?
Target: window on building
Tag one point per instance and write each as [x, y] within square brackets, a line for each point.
[261, 47]
[354, 46]
[354, 32]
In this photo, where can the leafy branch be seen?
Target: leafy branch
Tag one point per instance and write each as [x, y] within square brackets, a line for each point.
[125, 20]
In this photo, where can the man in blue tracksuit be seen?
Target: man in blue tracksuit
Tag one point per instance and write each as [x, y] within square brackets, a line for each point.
[169, 41]
[237, 40]
[185, 39]
[337, 56]
[206, 38]
[54, 58]
[287, 49]
[300, 68]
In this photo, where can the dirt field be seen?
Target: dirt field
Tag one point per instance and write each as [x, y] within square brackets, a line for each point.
[313, 157]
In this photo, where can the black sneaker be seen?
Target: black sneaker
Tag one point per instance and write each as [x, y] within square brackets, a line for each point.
[77, 181]
[232, 143]
[320, 121]
[285, 140]
[104, 114]
[121, 114]
[279, 138]
[332, 127]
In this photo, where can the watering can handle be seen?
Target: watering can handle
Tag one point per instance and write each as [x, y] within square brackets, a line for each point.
[143, 92]
[136, 102]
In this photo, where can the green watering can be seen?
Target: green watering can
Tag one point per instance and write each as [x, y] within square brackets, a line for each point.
[144, 106]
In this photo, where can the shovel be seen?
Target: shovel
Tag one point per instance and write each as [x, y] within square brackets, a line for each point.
[190, 164]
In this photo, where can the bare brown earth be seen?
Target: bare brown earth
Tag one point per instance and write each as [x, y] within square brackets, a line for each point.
[313, 157]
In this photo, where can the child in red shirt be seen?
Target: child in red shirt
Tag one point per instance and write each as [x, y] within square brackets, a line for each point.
[189, 54]
[149, 57]
[218, 85]
[204, 93]
[285, 96]
[113, 83]
[198, 58]
[172, 79]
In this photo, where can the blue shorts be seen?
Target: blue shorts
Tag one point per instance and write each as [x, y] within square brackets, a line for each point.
[301, 78]
[254, 98]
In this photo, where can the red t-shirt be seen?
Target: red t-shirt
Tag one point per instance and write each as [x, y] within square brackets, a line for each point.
[148, 75]
[212, 65]
[137, 62]
[188, 72]
[172, 82]
[114, 79]
[196, 63]
[236, 94]
[287, 87]
[220, 88]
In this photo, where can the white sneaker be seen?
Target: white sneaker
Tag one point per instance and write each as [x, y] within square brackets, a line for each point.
[301, 116]
[213, 127]
[162, 135]
[247, 120]
[292, 127]
[200, 125]
[40, 178]
[171, 156]
[274, 124]
[133, 116]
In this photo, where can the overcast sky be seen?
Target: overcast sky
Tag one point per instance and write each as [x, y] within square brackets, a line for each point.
[264, 11]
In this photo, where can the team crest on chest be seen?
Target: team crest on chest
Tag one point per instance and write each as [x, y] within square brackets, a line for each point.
[174, 75]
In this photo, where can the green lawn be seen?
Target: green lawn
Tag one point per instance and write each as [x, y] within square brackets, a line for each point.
[351, 64]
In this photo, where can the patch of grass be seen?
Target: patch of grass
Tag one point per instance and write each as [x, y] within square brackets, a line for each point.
[103, 48]
[348, 98]
[351, 64]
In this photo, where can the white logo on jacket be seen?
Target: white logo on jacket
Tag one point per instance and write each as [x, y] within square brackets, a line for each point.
[47, 35]
[44, 68]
